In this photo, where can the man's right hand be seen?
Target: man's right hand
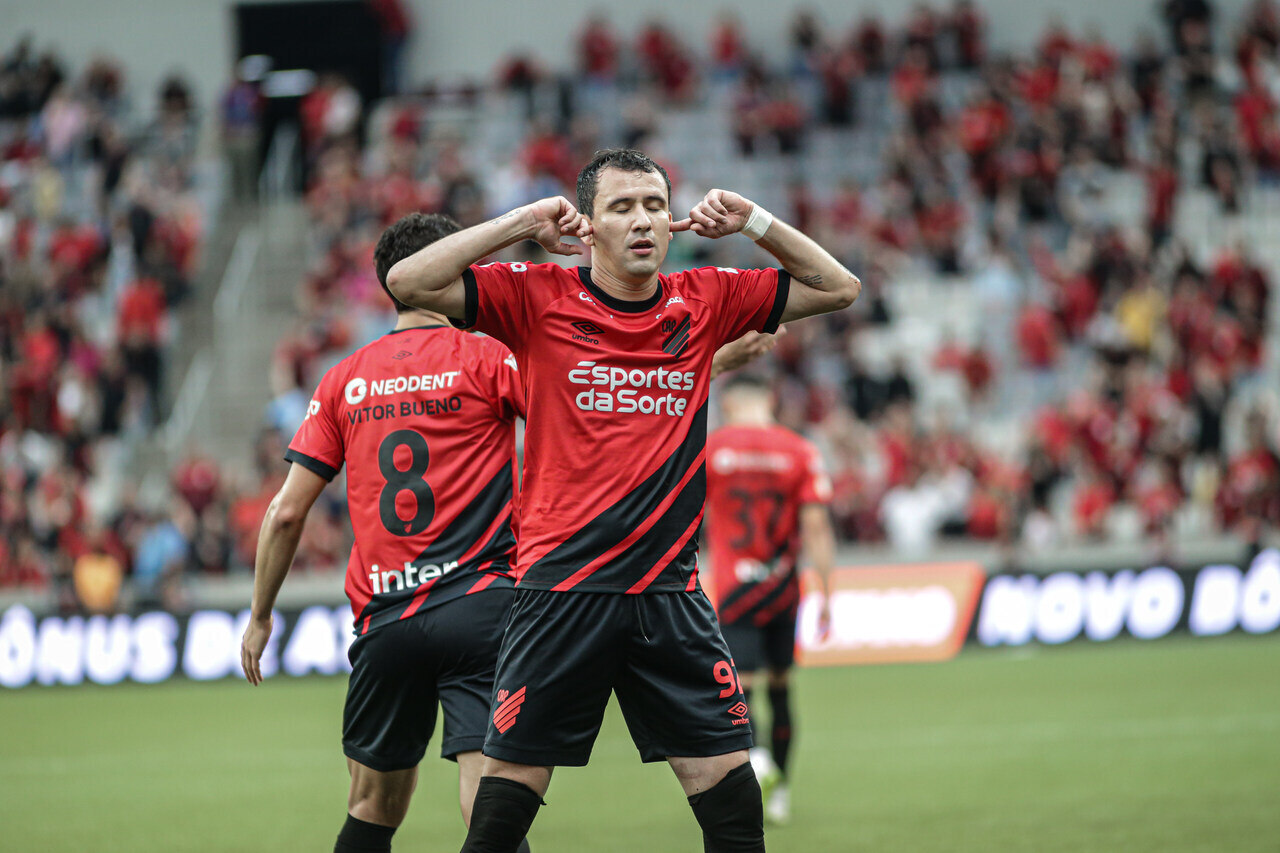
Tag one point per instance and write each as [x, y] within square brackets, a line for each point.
[554, 218]
[256, 635]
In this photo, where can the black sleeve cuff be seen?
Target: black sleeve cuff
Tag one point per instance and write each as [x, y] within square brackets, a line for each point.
[315, 466]
[469, 302]
[779, 303]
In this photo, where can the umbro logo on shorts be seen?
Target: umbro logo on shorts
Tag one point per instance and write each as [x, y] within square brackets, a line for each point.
[739, 712]
[509, 708]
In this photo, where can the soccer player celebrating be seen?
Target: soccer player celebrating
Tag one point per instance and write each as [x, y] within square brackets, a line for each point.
[616, 359]
[424, 419]
[766, 497]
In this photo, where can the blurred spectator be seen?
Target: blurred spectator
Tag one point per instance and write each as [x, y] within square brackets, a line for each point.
[161, 557]
[598, 49]
[241, 133]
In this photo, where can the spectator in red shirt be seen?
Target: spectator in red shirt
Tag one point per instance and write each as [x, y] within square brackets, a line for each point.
[141, 323]
[598, 49]
[728, 48]
[1039, 338]
[1092, 503]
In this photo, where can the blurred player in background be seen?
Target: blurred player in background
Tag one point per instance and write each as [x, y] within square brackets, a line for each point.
[617, 360]
[424, 419]
[767, 496]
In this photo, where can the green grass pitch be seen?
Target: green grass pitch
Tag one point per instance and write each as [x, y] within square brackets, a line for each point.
[1165, 746]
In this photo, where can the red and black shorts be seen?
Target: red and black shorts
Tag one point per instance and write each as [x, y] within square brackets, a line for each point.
[770, 646]
[400, 671]
[662, 653]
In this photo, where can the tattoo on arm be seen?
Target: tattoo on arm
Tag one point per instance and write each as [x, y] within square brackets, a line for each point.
[507, 215]
[809, 280]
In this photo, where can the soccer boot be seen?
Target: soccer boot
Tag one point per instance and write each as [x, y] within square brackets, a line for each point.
[777, 805]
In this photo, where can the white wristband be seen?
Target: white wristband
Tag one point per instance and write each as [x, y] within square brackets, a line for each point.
[758, 222]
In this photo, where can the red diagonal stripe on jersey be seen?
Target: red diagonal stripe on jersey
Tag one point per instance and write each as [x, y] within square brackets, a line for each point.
[643, 528]
[485, 580]
[747, 601]
[500, 519]
[505, 717]
[640, 585]
[779, 604]
[693, 578]
[419, 596]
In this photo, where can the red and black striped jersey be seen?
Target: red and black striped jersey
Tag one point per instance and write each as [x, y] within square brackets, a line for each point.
[615, 440]
[424, 420]
[758, 479]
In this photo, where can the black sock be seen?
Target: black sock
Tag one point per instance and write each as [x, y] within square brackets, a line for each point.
[780, 743]
[501, 816]
[358, 836]
[731, 813]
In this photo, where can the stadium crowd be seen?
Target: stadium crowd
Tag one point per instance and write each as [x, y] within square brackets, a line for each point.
[1130, 366]
[100, 234]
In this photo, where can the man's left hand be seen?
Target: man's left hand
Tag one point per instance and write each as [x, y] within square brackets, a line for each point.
[719, 214]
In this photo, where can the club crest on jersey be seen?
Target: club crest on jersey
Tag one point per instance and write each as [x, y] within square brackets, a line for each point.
[678, 339]
[586, 331]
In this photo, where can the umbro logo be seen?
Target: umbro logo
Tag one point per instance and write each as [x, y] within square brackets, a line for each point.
[404, 353]
[739, 712]
[587, 332]
[509, 708]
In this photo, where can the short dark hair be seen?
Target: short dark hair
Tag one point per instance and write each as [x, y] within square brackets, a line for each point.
[410, 234]
[624, 159]
[747, 382]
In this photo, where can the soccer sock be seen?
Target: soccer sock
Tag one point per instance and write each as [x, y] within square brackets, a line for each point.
[780, 740]
[500, 818]
[731, 813]
[358, 836]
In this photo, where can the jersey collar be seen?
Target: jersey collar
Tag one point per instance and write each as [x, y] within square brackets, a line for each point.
[623, 305]
[418, 328]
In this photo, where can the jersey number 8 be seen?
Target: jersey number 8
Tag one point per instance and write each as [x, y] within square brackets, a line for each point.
[408, 480]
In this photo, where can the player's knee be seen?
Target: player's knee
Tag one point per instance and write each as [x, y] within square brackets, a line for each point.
[731, 813]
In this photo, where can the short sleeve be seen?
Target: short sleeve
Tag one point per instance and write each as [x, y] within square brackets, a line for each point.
[502, 374]
[745, 300]
[317, 445]
[815, 482]
[495, 302]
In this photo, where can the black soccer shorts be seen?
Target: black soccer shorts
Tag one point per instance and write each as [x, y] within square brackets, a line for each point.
[662, 653]
[770, 646]
[401, 670]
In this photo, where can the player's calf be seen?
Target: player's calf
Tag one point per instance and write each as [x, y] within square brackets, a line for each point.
[780, 731]
[376, 806]
[501, 816]
[731, 813]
